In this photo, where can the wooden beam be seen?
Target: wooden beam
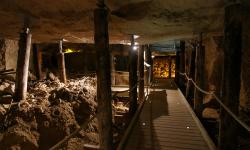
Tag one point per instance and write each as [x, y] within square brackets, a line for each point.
[61, 63]
[177, 68]
[191, 74]
[23, 65]
[141, 73]
[132, 77]
[232, 71]
[37, 61]
[103, 78]
[199, 74]
[149, 61]
[169, 66]
[182, 66]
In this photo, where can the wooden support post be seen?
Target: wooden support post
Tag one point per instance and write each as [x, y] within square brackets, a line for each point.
[199, 74]
[37, 61]
[148, 59]
[177, 68]
[231, 80]
[182, 66]
[22, 65]
[141, 73]
[103, 78]
[169, 66]
[191, 74]
[151, 63]
[61, 64]
[132, 77]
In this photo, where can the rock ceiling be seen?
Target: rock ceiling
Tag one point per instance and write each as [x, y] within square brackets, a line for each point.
[153, 20]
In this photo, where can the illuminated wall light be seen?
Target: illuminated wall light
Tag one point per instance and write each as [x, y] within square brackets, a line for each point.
[68, 50]
[153, 56]
[135, 48]
[136, 36]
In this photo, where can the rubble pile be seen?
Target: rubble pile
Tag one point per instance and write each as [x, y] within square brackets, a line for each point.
[51, 111]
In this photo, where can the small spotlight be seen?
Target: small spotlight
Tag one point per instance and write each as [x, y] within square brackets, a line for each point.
[146, 64]
[153, 56]
[136, 36]
[135, 48]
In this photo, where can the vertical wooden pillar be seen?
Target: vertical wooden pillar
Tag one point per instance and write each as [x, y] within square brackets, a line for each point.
[61, 64]
[191, 74]
[232, 71]
[147, 60]
[150, 59]
[103, 78]
[169, 66]
[177, 67]
[141, 73]
[22, 65]
[199, 74]
[182, 66]
[38, 61]
[132, 77]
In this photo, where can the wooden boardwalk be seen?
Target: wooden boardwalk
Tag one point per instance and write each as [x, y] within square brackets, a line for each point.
[167, 122]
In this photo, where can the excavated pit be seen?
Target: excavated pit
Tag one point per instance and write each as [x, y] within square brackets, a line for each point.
[52, 111]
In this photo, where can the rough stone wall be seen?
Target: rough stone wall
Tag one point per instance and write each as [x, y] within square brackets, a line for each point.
[213, 64]
[8, 54]
[11, 52]
[2, 52]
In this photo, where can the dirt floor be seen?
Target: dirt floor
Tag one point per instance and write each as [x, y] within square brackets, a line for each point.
[52, 111]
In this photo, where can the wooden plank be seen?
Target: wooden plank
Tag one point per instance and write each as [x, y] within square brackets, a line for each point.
[162, 129]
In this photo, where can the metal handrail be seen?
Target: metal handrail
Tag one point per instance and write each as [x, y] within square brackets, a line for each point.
[243, 124]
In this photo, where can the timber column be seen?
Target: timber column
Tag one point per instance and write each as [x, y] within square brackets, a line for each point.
[191, 74]
[61, 63]
[232, 71]
[169, 67]
[22, 65]
[199, 74]
[38, 61]
[148, 60]
[104, 99]
[182, 66]
[177, 67]
[132, 77]
[141, 73]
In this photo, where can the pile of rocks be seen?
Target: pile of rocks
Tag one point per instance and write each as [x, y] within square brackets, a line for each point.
[51, 111]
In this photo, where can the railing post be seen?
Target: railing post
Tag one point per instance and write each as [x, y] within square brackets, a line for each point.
[231, 79]
[23, 65]
[103, 77]
[132, 77]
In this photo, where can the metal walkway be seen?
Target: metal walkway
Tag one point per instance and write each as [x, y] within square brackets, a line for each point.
[167, 122]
